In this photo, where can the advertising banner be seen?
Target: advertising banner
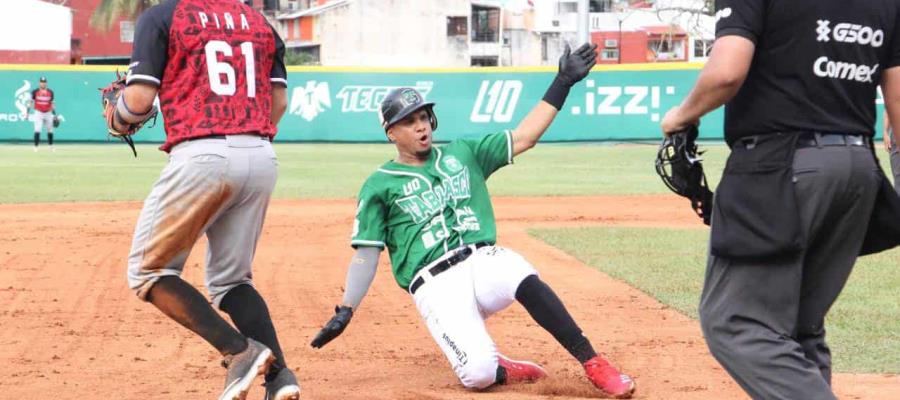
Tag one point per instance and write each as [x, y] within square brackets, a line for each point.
[614, 103]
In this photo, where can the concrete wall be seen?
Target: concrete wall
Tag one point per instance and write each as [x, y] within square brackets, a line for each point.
[21, 43]
[392, 33]
[93, 42]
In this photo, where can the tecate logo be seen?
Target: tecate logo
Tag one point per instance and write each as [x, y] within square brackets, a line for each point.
[826, 68]
[849, 33]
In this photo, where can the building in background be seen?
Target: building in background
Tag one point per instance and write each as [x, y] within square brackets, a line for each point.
[397, 33]
[91, 45]
[35, 32]
[629, 31]
[458, 33]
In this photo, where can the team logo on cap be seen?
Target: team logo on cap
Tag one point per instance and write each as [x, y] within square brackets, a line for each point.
[410, 97]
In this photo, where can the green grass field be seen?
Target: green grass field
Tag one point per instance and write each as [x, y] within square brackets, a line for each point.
[864, 326]
[82, 172]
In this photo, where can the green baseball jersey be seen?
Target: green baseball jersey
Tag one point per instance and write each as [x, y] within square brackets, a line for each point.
[421, 212]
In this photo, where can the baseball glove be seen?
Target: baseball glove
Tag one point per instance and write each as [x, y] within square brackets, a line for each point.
[56, 121]
[679, 165]
[109, 98]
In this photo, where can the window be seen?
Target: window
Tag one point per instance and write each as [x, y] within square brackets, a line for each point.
[485, 24]
[702, 48]
[126, 31]
[567, 8]
[456, 26]
[666, 49]
[596, 6]
[484, 61]
[305, 55]
[543, 48]
[609, 54]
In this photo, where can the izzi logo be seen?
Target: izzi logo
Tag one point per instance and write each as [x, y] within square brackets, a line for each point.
[21, 98]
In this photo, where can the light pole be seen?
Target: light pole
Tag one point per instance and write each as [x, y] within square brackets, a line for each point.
[619, 8]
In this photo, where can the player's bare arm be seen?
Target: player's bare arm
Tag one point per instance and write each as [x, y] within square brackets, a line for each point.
[279, 103]
[890, 85]
[718, 82]
[887, 132]
[573, 67]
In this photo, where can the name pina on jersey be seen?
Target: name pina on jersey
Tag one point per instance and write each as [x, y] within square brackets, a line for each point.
[229, 20]
[847, 33]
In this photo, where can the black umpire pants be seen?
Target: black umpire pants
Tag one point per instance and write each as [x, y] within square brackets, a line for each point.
[764, 321]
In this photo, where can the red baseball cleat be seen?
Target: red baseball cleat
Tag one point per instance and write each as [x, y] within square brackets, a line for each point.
[521, 371]
[608, 379]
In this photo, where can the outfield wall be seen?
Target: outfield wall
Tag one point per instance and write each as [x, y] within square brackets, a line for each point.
[619, 102]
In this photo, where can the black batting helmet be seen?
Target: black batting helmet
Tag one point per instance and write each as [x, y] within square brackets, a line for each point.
[401, 102]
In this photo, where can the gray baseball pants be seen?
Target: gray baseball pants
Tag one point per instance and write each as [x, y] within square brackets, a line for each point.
[218, 187]
[764, 321]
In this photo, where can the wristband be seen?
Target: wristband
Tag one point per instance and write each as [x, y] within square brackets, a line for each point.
[126, 116]
[557, 93]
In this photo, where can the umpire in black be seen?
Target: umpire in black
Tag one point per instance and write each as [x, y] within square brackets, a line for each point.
[802, 194]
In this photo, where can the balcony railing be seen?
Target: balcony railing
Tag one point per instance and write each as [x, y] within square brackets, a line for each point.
[484, 36]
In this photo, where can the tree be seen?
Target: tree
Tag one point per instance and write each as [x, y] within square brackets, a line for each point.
[693, 16]
[106, 14]
[292, 57]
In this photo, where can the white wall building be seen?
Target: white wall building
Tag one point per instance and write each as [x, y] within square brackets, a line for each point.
[20, 42]
[461, 33]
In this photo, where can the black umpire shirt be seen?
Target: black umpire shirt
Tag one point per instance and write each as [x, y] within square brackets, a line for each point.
[816, 67]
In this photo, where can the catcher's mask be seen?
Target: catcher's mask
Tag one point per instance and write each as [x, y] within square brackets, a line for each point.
[401, 102]
[679, 165]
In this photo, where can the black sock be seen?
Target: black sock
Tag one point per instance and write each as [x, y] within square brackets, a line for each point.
[501, 376]
[184, 304]
[37, 138]
[50, 138]
[250, 314]
[549, 312]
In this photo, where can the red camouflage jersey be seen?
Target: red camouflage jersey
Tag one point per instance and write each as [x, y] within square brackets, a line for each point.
[43, 99]
[215, 62]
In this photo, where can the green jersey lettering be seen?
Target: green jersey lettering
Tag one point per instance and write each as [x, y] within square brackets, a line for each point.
[421, 212]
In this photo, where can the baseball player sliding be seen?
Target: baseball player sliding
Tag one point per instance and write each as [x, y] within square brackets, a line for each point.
[218, 68]
[431, 209]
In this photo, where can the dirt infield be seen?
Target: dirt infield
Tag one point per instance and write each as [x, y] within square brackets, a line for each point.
[71, 329]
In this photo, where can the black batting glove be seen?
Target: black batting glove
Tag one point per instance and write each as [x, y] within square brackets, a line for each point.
[334, 327]
[573, 67]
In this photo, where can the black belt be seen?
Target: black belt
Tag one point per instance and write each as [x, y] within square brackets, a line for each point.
[813, 139]
[445, 264]
[221, 137]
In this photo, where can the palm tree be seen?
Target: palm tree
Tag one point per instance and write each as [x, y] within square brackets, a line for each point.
[110, 10]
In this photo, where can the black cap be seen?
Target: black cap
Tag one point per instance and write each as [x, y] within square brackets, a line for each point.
[43, 79]
[400, 102]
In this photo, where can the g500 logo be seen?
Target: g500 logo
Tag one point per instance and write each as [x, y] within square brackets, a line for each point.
[496, 101]
[849, 33]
